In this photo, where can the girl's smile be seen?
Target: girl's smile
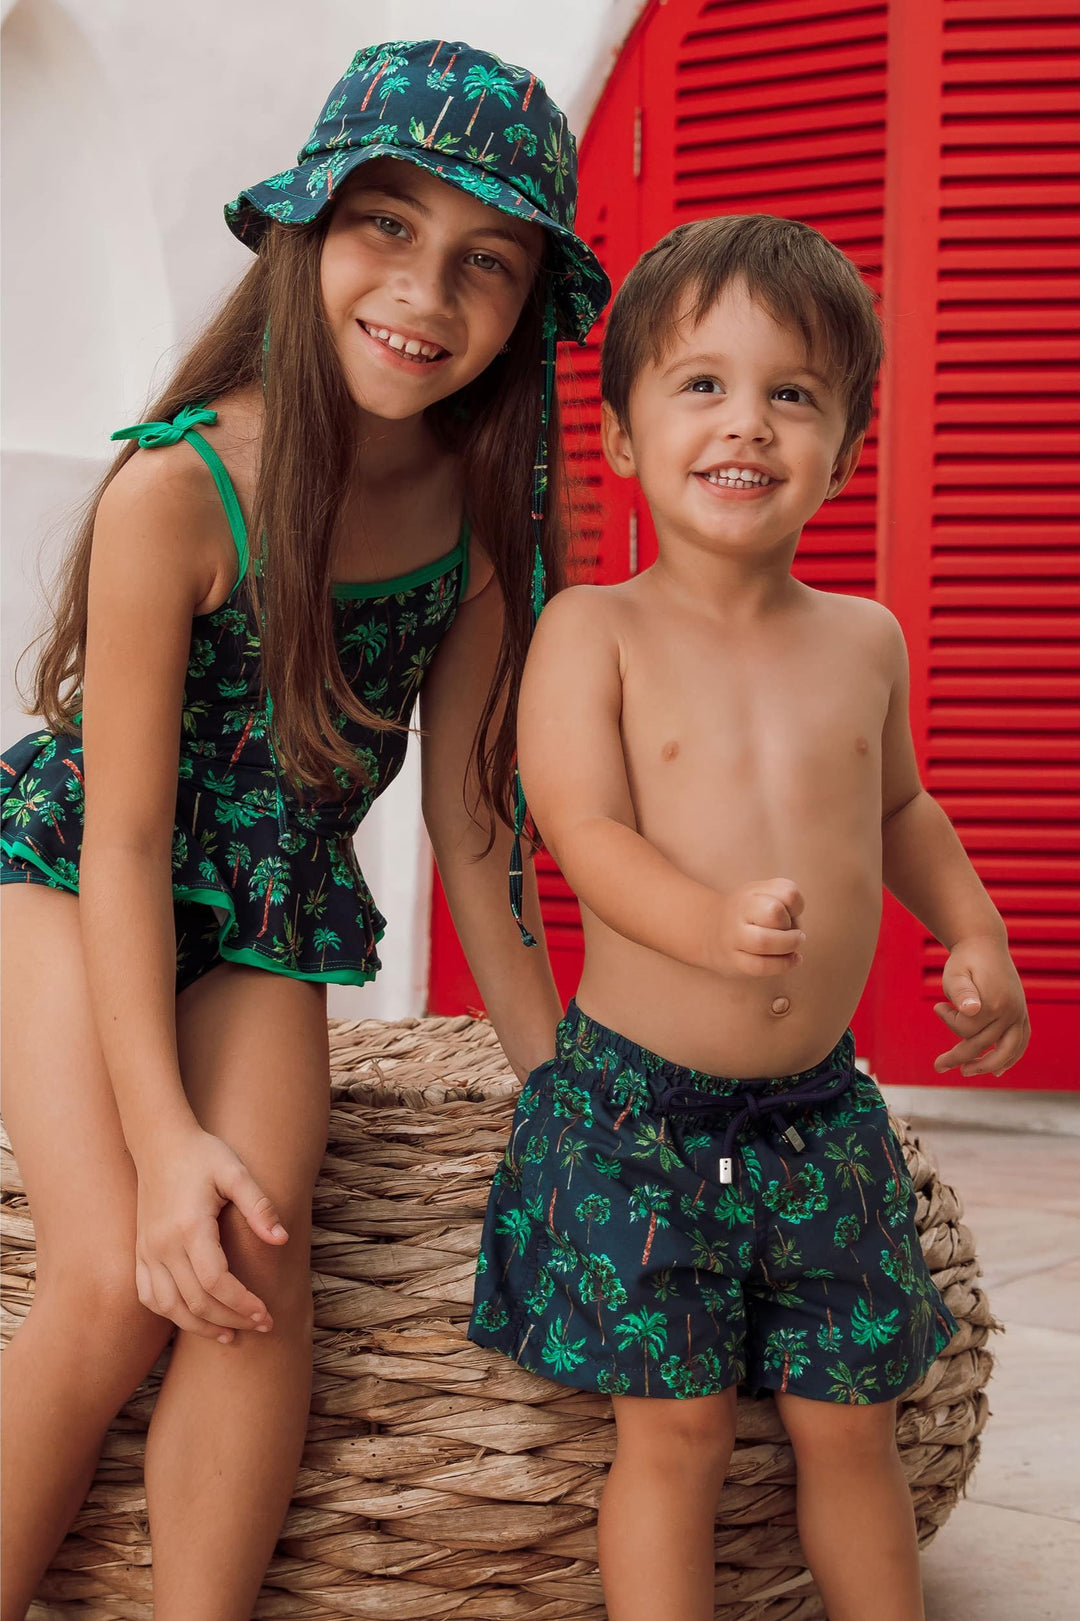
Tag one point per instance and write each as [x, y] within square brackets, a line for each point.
[422, 285]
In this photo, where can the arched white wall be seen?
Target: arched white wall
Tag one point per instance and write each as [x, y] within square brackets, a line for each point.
[126, 128]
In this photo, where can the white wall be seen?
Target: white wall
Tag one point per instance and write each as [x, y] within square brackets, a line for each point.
[126, 127]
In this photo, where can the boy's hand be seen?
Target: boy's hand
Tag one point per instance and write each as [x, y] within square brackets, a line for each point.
[986, 1008]
[759, 935]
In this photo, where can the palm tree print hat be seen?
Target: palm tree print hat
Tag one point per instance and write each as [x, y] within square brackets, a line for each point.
[469, 118]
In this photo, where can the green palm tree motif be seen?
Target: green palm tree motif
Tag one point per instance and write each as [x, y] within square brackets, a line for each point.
[233, 813]
[895, 1200]
[439, 81]
[648, 1329]
[280, 182]
[66, 872]
[324, 176]
[27, 800]
[554, 161]
[735, 1348]
[572, 1154]
[899, 1266]
[600, 1283]
[483, 82]
[234, 688]
[663, 1284]
[852, 1169]
[341, 868]
[240, 855]
[229, 619]
[491, 1317]
[321, 940]
[786, 1348]
[215, 784]
[606, 1166]
[561, 1354]
[570, 1103]
[271, 881]
[531, 187]
[629, 1091]
[405, 627]
[369, 635]
[539, 1296]
[518, 136]
[484, 186]
[429, 140]
[179, 848]
[866, 1329]
[732, 1210]
[516, 1225]
[395, 85]
[652, 1140]
[476, 154]
[707, 1253]
[829, 1335]
[200, 658]
[611, 1382]
[784, 1253]
[594, 1207]
[856, 1387]
[386, 61]
[752, 1164]
[649, 1200]
[375, 691]
[315, 899]
[209, 872]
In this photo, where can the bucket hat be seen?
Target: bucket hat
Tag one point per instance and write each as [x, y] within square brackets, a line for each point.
[471, 119]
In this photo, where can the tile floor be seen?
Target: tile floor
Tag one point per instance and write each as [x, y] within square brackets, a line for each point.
[1011, 1550]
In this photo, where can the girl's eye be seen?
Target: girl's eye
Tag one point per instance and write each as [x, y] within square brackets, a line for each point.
[387, 225]
[703, 385]
[793, 395]
[485, 261]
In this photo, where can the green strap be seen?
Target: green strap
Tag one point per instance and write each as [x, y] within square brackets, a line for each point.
[464, 548]
[155, 435]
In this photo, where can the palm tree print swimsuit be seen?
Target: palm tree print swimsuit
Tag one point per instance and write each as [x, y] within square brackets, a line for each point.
[260, 876]
[653, 1230]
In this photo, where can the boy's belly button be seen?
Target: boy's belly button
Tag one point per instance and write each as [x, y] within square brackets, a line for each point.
[780, 1006]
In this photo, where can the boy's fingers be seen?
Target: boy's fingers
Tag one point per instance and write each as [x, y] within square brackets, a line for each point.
[961, 990]
[760, 967]
[257, 1210]
[766, 942]
[971, 1049]
[961, 1024]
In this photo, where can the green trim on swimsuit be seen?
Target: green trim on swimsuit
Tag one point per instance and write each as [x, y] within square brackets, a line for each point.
[419, 576]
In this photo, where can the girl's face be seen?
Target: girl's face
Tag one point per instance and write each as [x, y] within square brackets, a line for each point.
[422, 285]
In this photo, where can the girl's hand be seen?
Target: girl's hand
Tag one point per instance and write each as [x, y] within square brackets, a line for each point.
[181, 1270]
[758, 931]
[986, 1008]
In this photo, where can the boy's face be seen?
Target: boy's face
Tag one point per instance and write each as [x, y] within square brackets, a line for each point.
[733, 435]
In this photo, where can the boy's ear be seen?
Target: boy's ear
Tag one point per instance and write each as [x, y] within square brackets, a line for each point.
[616, 442]
[846, 464]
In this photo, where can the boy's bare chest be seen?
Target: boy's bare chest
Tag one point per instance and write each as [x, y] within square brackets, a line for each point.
[795, 716]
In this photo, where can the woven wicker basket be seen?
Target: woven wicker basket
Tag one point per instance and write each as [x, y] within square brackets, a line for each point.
[441, 1481]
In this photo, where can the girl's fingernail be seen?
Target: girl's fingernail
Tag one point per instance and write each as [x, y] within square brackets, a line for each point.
[278, 1231]
[262, 1328]
[257, 1316]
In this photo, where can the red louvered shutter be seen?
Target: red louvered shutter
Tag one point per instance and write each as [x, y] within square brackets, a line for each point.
[978, 522]
[965, 194]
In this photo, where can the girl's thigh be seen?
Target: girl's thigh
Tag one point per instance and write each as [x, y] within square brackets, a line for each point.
[58, 1105]
[255, 1060]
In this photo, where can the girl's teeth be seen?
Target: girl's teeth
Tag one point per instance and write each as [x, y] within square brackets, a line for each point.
[408, 346]
[395, 341]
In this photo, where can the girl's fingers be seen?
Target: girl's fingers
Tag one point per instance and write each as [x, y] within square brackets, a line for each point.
[211, 1269]
[169, 1303]
[258, 1211]
[206, 1307]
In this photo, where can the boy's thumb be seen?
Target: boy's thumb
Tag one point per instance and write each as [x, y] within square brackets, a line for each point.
[257, 1210]
[961, 990]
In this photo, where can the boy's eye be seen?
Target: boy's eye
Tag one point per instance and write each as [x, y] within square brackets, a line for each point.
[790, 393]
[703, 385]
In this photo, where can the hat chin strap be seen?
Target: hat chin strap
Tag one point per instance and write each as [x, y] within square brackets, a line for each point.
[539, 593]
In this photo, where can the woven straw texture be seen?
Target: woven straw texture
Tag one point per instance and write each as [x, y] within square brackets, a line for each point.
[441, 1482]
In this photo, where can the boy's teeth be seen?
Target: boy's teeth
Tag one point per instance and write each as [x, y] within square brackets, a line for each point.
[408, 346]
[733, 477]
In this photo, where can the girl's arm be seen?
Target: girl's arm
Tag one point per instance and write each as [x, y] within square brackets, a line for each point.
[574, 773]
[156, 560]
[515, 982]
[926, 867]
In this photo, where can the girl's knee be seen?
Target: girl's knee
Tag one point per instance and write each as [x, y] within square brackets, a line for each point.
[279, 1274]
[94, 1299]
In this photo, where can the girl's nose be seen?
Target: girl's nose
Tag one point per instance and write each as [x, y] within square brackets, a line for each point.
[425, 286]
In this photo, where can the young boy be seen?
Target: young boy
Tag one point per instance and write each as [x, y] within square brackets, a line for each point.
[719, 759]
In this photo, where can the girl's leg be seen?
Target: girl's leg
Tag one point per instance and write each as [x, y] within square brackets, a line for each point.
[658, 1512]
[856, 1521]
[86, 1342]
[227, 1434]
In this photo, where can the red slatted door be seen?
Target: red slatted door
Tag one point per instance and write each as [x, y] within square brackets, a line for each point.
[979, 491]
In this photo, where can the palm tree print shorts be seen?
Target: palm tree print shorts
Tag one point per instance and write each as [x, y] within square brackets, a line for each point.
[615, 1256]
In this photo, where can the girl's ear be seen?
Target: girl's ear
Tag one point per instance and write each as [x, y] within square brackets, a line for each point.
[846, 464]
[616, 442]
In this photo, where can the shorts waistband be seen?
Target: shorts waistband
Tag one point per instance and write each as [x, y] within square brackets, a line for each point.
[581, 1036]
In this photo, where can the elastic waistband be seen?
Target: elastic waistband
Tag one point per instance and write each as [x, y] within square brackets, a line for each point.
[579, 1036]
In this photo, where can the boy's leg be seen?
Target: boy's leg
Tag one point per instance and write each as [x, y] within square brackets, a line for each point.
[658, 1512]
[856, 1520]
[87, 1341]
[229, 1427]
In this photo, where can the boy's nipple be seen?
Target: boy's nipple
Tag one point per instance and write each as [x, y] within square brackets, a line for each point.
[780, 1006]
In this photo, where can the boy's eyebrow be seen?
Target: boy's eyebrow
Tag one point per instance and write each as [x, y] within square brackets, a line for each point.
[402, 194]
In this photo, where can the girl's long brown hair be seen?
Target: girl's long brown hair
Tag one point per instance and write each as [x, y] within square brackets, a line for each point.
[306, 464]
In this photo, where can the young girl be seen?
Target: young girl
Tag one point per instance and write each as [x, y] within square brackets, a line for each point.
[341, 503]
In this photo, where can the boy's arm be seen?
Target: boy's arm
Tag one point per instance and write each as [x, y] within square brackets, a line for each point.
[926, 868]
[574, 775]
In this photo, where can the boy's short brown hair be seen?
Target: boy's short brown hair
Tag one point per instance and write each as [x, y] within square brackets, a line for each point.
[795, 272]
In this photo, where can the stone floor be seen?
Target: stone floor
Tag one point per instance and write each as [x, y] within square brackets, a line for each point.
[1011, 1550]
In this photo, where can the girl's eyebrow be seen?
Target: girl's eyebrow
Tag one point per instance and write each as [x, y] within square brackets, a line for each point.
[402, 194]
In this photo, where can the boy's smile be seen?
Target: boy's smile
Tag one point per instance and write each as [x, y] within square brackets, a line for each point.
[734, 435]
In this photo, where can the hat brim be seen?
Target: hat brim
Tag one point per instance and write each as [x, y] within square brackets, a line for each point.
[298, 196]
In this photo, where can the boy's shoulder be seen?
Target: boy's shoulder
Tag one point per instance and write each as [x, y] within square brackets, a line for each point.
[859, 616]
